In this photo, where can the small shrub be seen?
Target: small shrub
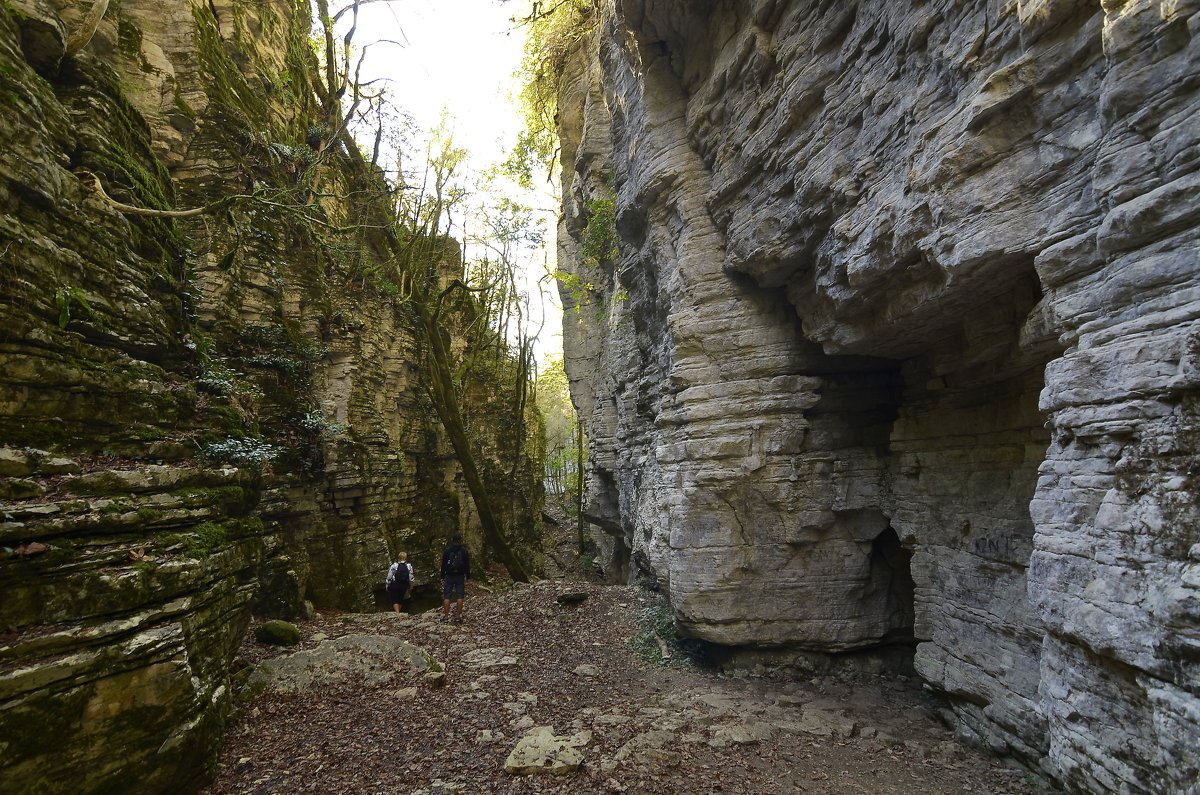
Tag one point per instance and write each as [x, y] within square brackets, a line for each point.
[241, 451]
[315, 422]
[217, 380]
[600, 241]
[64, 298]
[657, 621]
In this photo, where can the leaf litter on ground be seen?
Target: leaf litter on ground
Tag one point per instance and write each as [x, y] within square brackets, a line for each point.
[512, 666]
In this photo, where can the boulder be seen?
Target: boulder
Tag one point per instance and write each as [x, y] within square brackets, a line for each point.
[278, 633]
[540, 751]
[369, 659]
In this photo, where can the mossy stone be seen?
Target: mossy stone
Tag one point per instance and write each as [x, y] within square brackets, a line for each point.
[278, 633]
[20, 489]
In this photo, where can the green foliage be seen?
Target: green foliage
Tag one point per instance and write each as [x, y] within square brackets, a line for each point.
[561, 425]
[292, 157]
[551, 37]
[658, 622]
[119, 151]
[254, 452]
[202, 540]
[217, 379]
[442, 189]
[147, 514]
[511, 223]
[599, 246]
[655, 622]
[129, 38]
[64, 297]
[528, 157]
[316, 422]
[576, 291]
[227, 497]
[227, 87]
[600, 241]
[181, 104]
[286, 365]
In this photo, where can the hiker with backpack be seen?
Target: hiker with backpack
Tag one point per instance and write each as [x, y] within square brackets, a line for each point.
[456, 568]
[399, 577]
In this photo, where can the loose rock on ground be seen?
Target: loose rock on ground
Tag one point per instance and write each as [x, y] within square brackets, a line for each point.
[534, 687]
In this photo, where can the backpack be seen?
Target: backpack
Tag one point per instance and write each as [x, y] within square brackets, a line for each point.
[456, 560]
[394, 575]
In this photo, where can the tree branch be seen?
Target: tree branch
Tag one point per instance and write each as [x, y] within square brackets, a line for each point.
[355, 6]
[147, 212]
[91, 20]
[214, 207]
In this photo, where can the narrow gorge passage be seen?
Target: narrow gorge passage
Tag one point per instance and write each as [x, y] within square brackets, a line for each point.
[879, 383]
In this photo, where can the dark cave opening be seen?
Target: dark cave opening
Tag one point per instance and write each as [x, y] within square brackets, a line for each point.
[891, 577]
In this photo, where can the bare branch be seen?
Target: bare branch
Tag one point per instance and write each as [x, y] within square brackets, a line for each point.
[331, 76]
[130, 209]
[215, 207]
[354, 7]
[349, 37]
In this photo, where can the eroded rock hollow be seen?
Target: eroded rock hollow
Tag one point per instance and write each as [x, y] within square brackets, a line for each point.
[901, 348]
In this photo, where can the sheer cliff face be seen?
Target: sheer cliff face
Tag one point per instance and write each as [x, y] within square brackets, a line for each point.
[199, 418]
[902, 345]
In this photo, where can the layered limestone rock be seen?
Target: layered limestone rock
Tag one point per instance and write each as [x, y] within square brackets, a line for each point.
[199, 417]
[901, 347]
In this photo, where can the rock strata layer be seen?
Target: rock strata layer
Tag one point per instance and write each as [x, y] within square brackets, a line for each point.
[900, 348]
[201, 417]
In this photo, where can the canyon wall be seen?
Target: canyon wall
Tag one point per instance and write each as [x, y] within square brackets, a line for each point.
[201, 417]
[901, 349]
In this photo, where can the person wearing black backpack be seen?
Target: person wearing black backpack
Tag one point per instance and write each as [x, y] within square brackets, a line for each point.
[456, 568]
[399, 577]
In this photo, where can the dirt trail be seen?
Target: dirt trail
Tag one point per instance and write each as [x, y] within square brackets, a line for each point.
[523, 660]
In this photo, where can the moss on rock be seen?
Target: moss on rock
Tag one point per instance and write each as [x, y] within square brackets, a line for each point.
[278, 633]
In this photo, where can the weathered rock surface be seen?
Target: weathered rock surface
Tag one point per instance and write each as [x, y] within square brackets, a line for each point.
[901, 346]
[489, 658]
[365, 659]
[278, 633]
[201, 417]
[540, 751]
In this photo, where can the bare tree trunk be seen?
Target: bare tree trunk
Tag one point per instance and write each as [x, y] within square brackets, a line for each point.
[87, 28]
[579, 480]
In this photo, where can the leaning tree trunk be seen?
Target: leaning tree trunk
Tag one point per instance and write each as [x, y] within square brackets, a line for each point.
[87, 28]
[579, 482]
[445, 402]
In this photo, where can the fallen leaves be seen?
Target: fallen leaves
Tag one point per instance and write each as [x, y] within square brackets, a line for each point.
[516, 664]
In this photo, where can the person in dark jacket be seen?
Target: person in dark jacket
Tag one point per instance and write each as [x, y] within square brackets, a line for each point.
[456, 568]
